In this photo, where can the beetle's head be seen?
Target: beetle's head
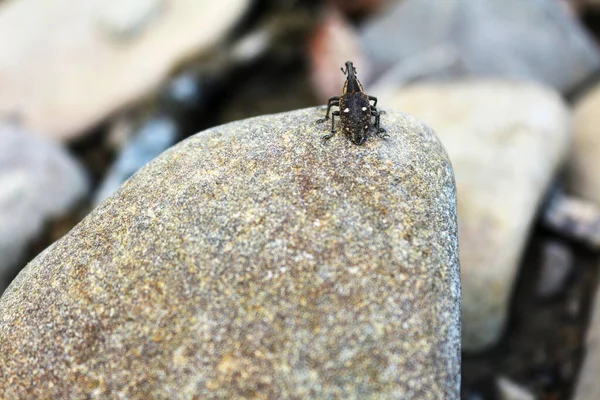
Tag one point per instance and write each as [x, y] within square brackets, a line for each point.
[350, 70]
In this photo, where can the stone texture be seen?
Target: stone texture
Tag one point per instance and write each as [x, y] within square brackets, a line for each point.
[536, 40]
[38, 180]
[64, 65]
[252, 260]
[584, 168]
[505, 141]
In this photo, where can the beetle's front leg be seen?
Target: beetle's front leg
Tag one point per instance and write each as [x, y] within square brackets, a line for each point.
[381, 112]
[381, 132]
[374, 100]
[330, 134]
[332, 102]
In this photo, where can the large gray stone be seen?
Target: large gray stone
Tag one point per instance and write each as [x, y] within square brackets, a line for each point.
[536, 40]
[252, 260]
[505, 140]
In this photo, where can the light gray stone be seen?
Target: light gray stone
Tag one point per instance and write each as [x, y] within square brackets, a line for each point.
[556, 266]
[38, 181]
[536, 40]
[252, 260]
[505, 141]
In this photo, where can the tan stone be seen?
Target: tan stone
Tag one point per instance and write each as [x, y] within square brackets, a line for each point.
[505, 141]
[584, 161]
[66, 65]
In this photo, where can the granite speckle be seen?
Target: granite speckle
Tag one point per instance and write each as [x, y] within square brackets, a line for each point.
[252, 261]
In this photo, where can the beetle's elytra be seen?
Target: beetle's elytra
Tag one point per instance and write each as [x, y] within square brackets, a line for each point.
[355, 110]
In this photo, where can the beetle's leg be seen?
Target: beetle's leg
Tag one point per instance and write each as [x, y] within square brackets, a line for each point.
[332, 104]
[334, 101]
[374, 100]
[330, 134]
[381, 132]
[373, 108]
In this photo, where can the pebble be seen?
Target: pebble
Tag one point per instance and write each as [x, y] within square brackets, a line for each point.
[573, 217]
[62, 79]
[556, 267]
[39, 180]
[506, 139]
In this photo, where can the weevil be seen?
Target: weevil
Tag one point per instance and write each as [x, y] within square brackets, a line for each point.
[354, 110]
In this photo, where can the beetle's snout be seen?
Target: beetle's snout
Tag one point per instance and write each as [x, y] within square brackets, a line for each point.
[358, 139]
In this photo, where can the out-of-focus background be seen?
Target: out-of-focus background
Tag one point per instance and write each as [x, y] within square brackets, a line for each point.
[92, 90]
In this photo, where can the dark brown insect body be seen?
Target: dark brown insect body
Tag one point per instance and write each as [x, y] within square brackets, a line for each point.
[355, 110]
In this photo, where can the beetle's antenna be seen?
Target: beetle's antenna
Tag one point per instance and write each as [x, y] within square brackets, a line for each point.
[345, 72]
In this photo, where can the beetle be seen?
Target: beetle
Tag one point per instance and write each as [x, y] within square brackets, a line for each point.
[354, 110]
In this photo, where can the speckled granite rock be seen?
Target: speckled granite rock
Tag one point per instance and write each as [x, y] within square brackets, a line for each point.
[584, 169]
[505, 140]
[252, 260]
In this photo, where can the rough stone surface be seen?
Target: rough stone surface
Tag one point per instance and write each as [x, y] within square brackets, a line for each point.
[38, 180]
[64, 65]
[536, 40]
[505, 141]
[252, 260]
[584, 168]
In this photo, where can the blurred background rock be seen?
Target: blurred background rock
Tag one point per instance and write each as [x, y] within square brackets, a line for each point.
[90, 91]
